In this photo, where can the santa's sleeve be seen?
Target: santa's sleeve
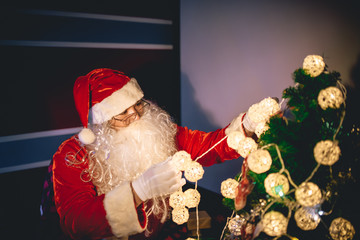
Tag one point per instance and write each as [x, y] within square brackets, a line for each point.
[84, 214]
[197, 142]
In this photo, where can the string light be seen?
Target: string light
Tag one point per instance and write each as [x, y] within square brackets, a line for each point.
[180, 215]
[307, 218]
[194, 171]
[308, 194]
[313, 65]
[274, 223]
[330, 97]
[341, 229]
[327, 152]
[234, 139]
[182, 159]
[262, 111]
[192, 197]
[276, 185]
[259, 161]
[247, 146]
[228, 188]
[177, 200]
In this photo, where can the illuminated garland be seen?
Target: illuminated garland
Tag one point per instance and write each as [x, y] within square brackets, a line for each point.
[279, 185]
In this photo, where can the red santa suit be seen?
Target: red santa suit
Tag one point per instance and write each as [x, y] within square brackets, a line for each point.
[86, 215]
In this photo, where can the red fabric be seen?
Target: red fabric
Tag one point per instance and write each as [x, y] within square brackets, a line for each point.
[197, 142]
[81, 210]
[100, 84]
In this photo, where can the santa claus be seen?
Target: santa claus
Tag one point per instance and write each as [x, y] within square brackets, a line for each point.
[113, 179]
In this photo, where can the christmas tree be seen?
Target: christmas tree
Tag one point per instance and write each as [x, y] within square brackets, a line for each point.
[298, 180]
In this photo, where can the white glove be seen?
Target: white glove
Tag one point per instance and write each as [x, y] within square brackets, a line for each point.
[160, 179]
[260, 112]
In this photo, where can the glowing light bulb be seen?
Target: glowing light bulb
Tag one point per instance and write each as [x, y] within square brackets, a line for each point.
[307, 218]
[194, 171]
[330, 97]
[341, 229]
[177, 200]
[308, 194]
[276, 184]
[228, 188]
[259, 161]
[313, 65]
[262, 111]
[180, 215]
[192, 197]
[274, 223]
[327, 152]
[234, 139]
[181, 159]
[247, 146]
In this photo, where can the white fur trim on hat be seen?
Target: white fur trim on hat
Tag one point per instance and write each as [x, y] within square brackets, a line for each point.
[121, 211]
[117, 102]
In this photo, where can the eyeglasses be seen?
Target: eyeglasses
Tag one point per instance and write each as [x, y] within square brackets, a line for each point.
[140, 107]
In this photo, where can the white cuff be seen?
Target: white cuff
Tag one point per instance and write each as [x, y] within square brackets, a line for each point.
[235, 125]
[121, 211]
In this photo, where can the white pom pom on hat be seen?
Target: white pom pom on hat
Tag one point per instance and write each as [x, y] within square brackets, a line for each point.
[103, 93]
[86, 136]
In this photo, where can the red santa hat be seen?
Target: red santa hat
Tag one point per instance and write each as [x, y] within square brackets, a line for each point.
[102, 94]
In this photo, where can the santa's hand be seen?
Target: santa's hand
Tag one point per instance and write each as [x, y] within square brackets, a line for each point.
[260, 113]
[160, 179]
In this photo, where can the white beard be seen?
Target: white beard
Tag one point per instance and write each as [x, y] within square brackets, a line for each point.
[145, 142]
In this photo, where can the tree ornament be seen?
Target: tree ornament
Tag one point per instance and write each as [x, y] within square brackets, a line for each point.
[192, 197]
[177, 200]
[276, 185]
[341, 229]
[194, 171]
[242, 191]
[314, 65]
[274, 223]
[330, 97]
[236, 223]
[308, 194]
[261, 128]
[228, 188]
[182, 159]
[258, 208]
[307, 218]
[247, 146]
[327, 152]
[259, 161]
[234, 139]
[180, 215]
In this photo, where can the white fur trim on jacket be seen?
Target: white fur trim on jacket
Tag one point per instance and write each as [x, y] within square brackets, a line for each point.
[235, 125]
[121, 211]
[117, 102]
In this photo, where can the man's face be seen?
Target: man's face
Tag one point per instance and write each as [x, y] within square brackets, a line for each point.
[130, 115]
